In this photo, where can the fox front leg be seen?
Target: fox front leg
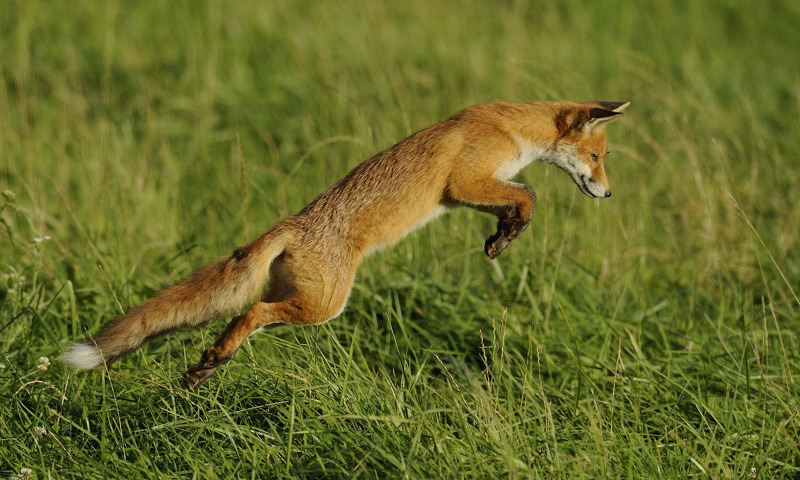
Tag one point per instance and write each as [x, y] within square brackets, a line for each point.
[507, 230]
[511, 221]
[512, 204]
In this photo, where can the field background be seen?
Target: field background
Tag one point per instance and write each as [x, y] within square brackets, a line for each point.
[651, 334]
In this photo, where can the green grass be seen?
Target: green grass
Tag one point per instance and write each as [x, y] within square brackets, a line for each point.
[654, 334]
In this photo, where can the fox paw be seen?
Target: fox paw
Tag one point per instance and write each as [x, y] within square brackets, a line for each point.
[197, 376]
[200, 373]
[495, 245]
[511, 228]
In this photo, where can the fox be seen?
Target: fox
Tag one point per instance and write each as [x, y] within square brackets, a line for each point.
[301, 271]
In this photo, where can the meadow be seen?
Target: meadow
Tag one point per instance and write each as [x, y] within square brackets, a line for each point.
[651, 334]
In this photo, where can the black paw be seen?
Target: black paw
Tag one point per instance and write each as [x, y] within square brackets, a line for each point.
[197, 376]
[495, 245]
[200, 373]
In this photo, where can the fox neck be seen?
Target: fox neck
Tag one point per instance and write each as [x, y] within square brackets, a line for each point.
[529, 152]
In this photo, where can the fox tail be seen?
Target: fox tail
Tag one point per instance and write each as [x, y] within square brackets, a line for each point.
[214, 290]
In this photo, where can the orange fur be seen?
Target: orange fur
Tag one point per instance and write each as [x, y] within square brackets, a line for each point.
[310, 259]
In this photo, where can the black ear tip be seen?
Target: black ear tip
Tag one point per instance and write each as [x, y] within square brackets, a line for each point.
[598, 113]
[613, 106]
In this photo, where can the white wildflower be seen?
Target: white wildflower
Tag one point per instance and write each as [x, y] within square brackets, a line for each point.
[40, 431]
[42, 239]
[44, 362]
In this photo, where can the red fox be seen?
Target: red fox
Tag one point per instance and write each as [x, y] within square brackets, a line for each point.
[309, 260]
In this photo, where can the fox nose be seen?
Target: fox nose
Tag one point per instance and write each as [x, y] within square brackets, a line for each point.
[608, 193]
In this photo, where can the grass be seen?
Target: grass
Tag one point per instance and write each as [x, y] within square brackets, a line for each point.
[651, 334]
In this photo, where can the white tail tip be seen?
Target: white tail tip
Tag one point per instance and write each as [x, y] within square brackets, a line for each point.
[82, 356]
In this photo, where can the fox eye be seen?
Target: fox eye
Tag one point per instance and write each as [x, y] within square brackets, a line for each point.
[594, 157]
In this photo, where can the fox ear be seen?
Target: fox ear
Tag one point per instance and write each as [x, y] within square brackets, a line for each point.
[588, 117]
[599, 117]
[613, 106]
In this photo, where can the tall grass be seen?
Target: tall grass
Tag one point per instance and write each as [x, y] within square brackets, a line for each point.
[651, 334]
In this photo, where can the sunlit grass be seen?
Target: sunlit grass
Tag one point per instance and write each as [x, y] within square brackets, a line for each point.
[653, 334]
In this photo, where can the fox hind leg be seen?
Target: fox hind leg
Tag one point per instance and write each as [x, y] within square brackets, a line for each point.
[260, 315]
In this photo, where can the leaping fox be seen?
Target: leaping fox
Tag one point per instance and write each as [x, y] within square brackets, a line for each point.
[309, 260]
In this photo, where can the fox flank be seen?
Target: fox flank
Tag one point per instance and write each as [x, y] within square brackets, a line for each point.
[308, 261]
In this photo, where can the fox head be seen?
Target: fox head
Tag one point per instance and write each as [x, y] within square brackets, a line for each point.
[581, 144]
